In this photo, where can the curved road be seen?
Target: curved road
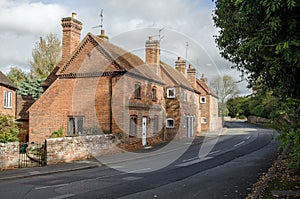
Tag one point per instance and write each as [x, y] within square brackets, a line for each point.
[217, 165]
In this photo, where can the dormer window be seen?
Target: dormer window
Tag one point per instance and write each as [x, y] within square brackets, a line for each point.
[171, 93]
[170, 123]
[153, 94]
[203, 100]
[137, 90]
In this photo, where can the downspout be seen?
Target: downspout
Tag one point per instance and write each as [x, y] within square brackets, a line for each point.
[110, 104]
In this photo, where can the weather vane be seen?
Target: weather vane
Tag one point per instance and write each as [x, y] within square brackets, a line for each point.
[101, 21]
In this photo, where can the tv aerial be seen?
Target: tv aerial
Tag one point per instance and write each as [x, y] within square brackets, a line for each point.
[159, 34]
[101, 21]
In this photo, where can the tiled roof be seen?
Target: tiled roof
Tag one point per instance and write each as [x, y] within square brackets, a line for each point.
[51, 78]
[23, 104]
[128, 61]
[178, 78]
[6, 82]
[205, 87]
[124, 60]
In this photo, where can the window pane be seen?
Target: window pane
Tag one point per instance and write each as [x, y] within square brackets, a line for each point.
[133, 126]
[71, 126]
[155, 124]
[170, 123]
[79, 125]
[153, 93]
[137, 90]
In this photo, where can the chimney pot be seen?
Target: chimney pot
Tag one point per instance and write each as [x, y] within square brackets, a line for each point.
[102, 32]
[74, 15]
[150, 38]
[178, 58]
[190, 66]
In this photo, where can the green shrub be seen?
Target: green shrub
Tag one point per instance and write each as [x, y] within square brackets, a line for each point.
[9, 129]
[59, 133]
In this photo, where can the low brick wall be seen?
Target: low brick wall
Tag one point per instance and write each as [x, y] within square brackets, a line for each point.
[70, 149]
[9, 155]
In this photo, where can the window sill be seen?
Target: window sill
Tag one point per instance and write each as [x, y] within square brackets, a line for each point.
[5, 107]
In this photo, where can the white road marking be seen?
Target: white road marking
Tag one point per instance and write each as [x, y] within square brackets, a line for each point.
[214, 152]
[190, 159]
[242, 142]
[193, 161]
[194, 158]
[248, 137]
[52, 186]
[134, 171]
[63, 196]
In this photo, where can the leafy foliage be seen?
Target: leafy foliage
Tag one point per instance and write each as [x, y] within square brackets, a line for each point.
[288, 122]
[46, 55]
[9, 129]
[31, 87]
[238, 107]
[261, 39]
[17, 75]
[59, 133]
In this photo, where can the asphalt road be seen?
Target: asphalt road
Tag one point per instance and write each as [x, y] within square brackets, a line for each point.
[218, 165]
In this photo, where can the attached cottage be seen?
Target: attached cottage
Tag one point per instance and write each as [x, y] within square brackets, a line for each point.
[99, 87]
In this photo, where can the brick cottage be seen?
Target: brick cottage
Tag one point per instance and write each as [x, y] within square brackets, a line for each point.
[8, 96]
[100, 87]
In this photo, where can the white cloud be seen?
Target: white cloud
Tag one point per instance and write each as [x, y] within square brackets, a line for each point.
[128, 23]
[30, 17]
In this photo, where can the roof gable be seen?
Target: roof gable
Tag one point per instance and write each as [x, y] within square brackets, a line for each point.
[6, 82]
[98, 56]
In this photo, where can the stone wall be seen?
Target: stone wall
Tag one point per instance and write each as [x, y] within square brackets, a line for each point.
[258, 120]
[70, 149]
[9, 155]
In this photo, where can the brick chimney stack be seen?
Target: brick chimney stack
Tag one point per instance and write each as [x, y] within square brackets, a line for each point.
[180, 65]
[191, 76]
[71, 35]
[152, 54]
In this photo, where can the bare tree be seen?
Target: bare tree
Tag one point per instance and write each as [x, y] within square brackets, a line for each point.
[225, 88]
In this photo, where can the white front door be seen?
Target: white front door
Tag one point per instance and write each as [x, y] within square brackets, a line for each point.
[189, 126]
[144, 131]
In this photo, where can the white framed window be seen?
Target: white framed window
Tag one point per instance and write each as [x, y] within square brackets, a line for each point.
[202, 99]
[171, 93]
[7, 99]
[170, 123]
[203, 120]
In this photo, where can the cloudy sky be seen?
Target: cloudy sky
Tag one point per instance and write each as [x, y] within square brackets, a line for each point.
[127, 23]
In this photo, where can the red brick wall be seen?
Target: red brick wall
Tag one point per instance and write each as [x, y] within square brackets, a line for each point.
[7, 111]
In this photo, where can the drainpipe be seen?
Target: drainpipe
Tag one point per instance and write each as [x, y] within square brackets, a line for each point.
[110, 104]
